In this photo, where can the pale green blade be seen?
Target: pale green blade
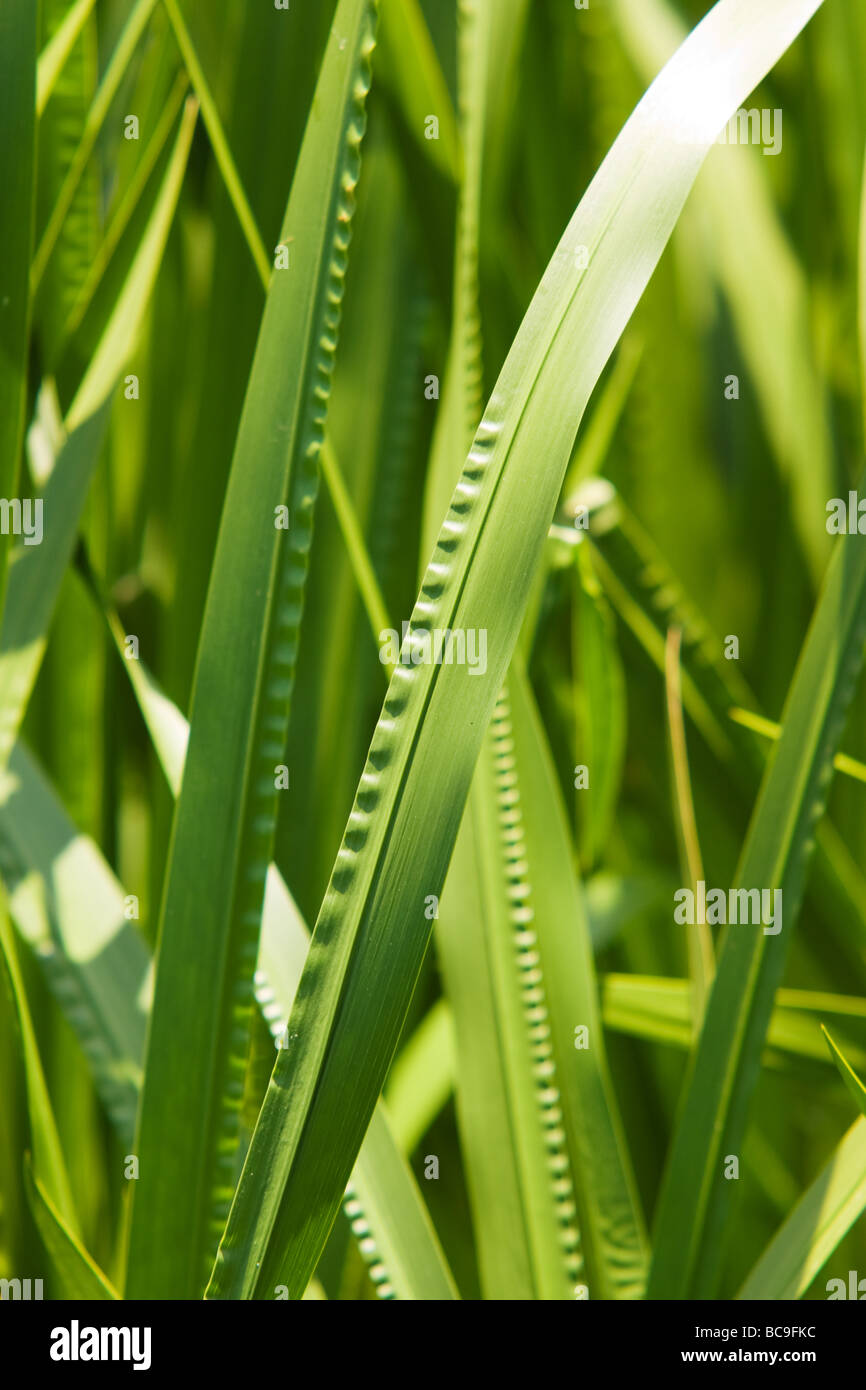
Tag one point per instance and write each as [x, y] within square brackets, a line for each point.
[824, 1214]
[822, 1217]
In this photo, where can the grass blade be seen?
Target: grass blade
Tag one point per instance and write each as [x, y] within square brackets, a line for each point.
[99, 966]
[694, 1199]
[80, 1276]
[372, 931]
[254, 608]
[613, 1242]
[523, 1207]
[847, 1073]
[822, 1217]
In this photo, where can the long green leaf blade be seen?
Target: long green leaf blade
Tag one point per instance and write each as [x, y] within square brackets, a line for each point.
[694, 1200]
[189, 1130]
[80, 1275]
[372, 931]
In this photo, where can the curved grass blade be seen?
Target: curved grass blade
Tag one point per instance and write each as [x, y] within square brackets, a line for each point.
[80, 1276]
[823, 1216]
[695, 1194]
[372, 931]
[502, 1116]
[188, 1132]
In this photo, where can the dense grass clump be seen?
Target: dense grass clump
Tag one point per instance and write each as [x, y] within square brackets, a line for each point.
[434, 605]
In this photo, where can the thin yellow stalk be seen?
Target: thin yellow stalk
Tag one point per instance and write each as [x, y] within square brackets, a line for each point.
[700, 941]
